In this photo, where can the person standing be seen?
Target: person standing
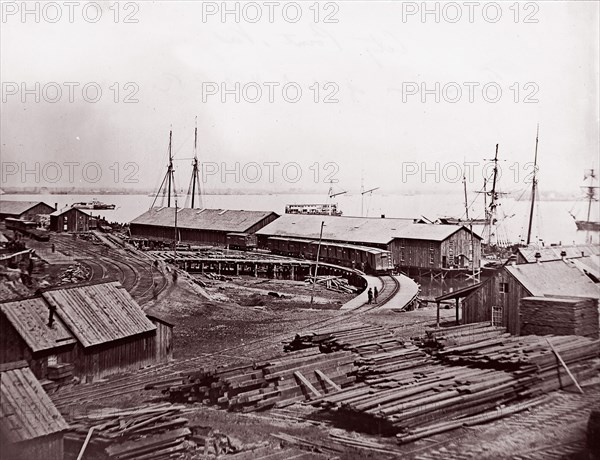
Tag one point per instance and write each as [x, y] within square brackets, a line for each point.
[370, 295]
[375, 293]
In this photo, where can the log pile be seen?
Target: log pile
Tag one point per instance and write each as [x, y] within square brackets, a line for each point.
[276, 383]
[357, 337]
[158, 432]
[462, 335]
[412, 394]
[333, 283]
[559, 316]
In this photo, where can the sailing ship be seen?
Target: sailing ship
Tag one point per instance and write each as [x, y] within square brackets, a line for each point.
[590, 188]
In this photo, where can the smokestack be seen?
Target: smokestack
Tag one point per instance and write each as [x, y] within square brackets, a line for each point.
[51, 311]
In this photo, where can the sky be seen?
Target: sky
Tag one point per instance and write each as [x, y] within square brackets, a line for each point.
[396, 95]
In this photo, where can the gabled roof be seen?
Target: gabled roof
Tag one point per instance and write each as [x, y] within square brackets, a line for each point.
[62, 211]
[356, 229]
[553, 252]
[30, 319]
[554, 278]
[99, 313]
[26, 411]
[203, 219]
[588, 265]
[18, 207]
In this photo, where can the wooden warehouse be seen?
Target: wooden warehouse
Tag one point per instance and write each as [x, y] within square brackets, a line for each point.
[98, 328]
[498, 298]
[70, 220]
[31, 428]
[198, 226]
[415, 247]
[24, 210]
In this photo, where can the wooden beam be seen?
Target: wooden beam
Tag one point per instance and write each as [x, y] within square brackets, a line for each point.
[565, 366]
[326, 379]
[306, 383]
[86, 442]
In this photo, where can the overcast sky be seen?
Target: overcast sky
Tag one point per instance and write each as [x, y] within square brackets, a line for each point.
[371, 64]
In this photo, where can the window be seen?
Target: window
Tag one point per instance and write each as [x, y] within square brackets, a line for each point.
[496, 316]
[504, 288]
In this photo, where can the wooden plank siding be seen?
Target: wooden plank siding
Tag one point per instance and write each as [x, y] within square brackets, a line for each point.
[164, 341]
[45, 448]
[72, 220]
[477, 306]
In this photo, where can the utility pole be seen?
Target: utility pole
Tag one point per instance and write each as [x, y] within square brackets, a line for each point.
[312, 294]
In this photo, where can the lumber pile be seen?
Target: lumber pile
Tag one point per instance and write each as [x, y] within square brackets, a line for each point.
[461, 335]
[60, 373]
[333, 283]
[158, 432]
[357, 337]
[412, 393]
[275, 383]
[559, 316]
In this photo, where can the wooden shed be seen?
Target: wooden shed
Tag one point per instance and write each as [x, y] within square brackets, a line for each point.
[31, 428]
[70, 220]
[24, 210]
[27, 332]
[497, 299]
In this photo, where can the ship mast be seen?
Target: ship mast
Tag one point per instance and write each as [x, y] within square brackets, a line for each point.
[591, 193]
[169, 177]
[534, 187]
[493, 194]
[195, 171]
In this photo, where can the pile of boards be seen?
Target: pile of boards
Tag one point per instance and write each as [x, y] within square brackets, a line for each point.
[413, 393]
[333, 283]
[461, 335]
[357, 337]
[157, 431]
[276, 383]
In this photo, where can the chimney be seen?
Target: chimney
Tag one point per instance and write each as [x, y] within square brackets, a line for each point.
[537, 256]
[383, 216]
[56, 206]
[563, 254]
[51, 311]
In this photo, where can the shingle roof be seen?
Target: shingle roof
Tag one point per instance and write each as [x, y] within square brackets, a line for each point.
[554, 278]
[26, 411]
[356, 229]
[203, 219]
[553, 252]
[18, 207]
[30, 319]
[99, 313]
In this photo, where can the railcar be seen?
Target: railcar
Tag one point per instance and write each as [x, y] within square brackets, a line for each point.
[26, 228]
[242, 241]
[367, 259]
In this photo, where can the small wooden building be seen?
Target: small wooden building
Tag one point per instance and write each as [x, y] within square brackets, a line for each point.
[497, 299]
[197, 226]
[70, 220]
[24, 210]
[97, 327]
[31, 428]
[28, 332]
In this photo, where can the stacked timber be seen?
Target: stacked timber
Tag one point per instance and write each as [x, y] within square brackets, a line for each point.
[333, 283]
[275, 383]
[412, 393]
[559, 316]
[461, 335]
[357, 337]
[158, 432]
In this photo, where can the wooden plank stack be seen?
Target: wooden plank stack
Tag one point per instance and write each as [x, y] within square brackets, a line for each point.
[357, 337]
[276, 383]
[60, 373]
[412, 393]
[559, 316]
[461, 335]
[158, 432]
[333, 283]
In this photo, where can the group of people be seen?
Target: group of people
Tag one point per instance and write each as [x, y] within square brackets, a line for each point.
[372, 293]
